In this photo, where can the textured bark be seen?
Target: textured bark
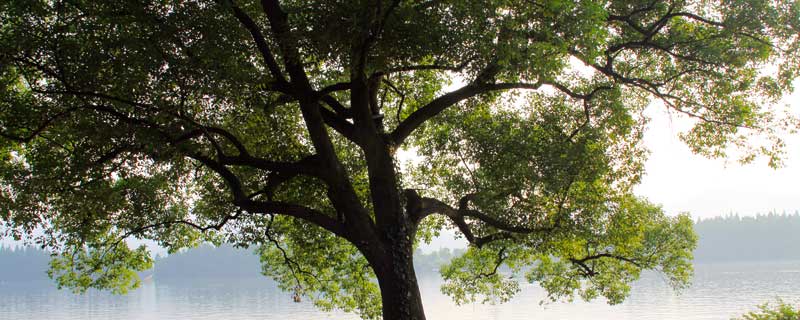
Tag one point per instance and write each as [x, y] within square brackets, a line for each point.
[398, 282]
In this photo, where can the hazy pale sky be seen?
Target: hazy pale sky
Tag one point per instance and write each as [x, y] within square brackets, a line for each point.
[684, 182]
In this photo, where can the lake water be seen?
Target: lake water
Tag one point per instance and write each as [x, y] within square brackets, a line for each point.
[719, 291]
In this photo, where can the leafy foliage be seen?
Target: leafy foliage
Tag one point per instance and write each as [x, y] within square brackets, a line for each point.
[277, 125]
[779, 311]
[312, 262]
[100, 268]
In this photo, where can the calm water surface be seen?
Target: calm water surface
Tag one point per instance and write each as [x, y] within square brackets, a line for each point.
[719, 291]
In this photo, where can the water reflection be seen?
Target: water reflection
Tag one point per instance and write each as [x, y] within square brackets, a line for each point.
[719, 291]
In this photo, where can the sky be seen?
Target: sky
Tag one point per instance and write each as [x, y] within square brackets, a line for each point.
[681, 181]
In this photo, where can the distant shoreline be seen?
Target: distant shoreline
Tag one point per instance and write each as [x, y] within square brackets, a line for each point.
[722, 240]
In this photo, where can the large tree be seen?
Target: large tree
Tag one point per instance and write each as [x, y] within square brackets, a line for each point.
[278, 125]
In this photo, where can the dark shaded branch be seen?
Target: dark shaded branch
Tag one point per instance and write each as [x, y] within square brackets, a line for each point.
[261, 43]
[498, 261]
[166, 224]
[341, 192]
[242, 200]
[586, 97]
[373, 19]
[274, 180]
[655, 88]
[39, 129]
[497, 236]
[311, 215]
[385, 17]
[589, 271]
[433, 108]
[507, 230]
[113, 154]
[608, 255]
[667, 98]
[398, 93]
[455, 68]
[305, 166]
[628, 19]
[341, 126]
[341, 110]
[279, 21]
[290, 263]
[242, 159]
[341, 86]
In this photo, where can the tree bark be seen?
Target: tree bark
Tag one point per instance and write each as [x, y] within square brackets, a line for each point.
[398, 282]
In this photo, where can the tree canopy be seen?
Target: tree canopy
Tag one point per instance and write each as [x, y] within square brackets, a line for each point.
[278, 124]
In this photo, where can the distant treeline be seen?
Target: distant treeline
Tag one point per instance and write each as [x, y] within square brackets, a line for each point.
[762, 237]
[730, 238]
[208, 261]
[430, 262]
[23, 263]
[205, 261]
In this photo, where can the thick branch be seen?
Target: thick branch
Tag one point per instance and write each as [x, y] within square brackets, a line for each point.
[337, 106]
[261, 43]
[507, 230]
[241, 200]
[341, 126]
[433, 108]
[244, 157]
[341, 192]
[304, 166]
[279, 22]
[590, 272]
[341, 86]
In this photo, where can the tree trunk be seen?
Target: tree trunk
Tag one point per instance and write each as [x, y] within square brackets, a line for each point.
[398, 283]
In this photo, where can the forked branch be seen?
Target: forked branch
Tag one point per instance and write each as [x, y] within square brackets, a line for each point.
[458, 215]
